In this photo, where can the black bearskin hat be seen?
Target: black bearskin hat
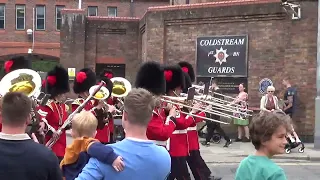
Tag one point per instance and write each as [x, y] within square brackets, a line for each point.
[57, 81]
[84, 80]
[187, 81]
[174, 77]
[187, 67]
[150, 76]
[107, 73]
[109, 85]
[18, 62]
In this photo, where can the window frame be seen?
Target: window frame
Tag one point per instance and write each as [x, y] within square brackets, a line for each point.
[112, 7]
[56, 15]
[96, 8]
[44, 18]
[4, 16]
[24, 16]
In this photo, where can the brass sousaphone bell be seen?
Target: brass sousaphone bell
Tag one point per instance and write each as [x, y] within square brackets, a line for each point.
[121, 87]
[102, 94]
[26, 81]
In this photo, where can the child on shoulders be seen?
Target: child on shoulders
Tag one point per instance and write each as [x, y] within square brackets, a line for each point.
[84, 146]
[268, 133]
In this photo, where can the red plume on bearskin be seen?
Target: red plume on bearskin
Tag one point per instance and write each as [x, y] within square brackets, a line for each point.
[57, 82]
[107, 73]
[174, 77]
[187, 68]
[84, 80]
[151, 77]
[18, 62]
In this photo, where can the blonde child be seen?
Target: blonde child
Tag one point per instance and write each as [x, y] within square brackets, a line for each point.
[84, 146]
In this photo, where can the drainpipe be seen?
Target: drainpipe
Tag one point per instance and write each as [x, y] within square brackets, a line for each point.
[131, 8]
[317, 100]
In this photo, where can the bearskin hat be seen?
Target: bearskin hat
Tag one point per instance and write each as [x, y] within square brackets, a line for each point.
[187, 81]
[187, 67]
[19, 62]
[106, 78]
[150, 76]
[107, 73]
[84, 80]
[57, 81]
[174, 77]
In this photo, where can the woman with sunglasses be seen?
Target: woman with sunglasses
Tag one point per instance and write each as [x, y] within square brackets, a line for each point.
[269, 102]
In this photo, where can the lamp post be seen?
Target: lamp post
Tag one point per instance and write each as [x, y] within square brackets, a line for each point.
[317, 100]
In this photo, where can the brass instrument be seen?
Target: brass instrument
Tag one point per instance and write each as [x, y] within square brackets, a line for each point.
[179, 101]
[121, 87]
[28, 82]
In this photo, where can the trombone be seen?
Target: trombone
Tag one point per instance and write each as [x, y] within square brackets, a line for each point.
[121, 88]
[176, 101]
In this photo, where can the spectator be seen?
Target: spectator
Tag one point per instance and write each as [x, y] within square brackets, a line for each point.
[21, 157]
[268, 134]
[269, 102]
[143, 159]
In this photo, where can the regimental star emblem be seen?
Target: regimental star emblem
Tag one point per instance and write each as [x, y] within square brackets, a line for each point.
[221, 55]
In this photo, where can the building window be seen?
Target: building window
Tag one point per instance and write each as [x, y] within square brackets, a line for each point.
[112, 11]
[20, 17]
[40, 17]
[92, 11]
[2, 16]
[58, 17]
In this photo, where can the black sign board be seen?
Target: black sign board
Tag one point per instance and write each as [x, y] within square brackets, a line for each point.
[228, 85]
[222, 56]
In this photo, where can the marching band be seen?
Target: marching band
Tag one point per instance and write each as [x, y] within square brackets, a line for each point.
[173, 124]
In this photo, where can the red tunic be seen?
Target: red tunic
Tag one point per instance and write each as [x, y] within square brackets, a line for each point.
[55, 114]
[179, 146]
[103, 135]
[193, 138]
[159, 129]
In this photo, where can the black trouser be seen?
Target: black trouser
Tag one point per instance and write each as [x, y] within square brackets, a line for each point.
[211, 126]
[197, 165]
[179, 169]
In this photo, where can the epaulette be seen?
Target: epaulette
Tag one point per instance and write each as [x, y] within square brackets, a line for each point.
[77, 101]
[49, 104]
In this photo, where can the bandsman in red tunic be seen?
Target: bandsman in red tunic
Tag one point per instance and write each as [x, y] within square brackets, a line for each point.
[196, 163]
[55, 112]
[150, 76]
[83, 81]
[178, 146]
[104, 135]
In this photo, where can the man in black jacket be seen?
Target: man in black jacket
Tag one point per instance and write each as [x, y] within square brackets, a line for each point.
[21, 157]
[212, 126]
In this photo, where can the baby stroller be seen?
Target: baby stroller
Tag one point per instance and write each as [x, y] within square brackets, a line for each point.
[293, 144]
[216, 138]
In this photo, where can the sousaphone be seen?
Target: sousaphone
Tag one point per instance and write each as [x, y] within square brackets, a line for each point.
[121, 87]
[26, 81]
[102, 94]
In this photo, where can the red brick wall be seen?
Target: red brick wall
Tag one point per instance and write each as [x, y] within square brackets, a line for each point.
[278, 46]
[48, 42]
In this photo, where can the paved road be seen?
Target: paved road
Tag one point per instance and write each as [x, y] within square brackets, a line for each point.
[224, 164]
[294, 171]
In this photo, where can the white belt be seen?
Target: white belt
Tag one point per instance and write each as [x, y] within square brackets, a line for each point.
[161, 143]
[192, 128]
[185, 131]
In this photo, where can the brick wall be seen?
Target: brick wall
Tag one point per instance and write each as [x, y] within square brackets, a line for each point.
[278, 46]
[48, 42]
